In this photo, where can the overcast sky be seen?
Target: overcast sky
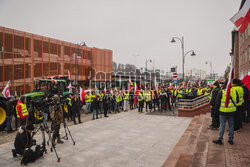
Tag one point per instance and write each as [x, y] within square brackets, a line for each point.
[131, 27]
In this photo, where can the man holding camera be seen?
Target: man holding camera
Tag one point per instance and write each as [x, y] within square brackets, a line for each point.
[57, 119]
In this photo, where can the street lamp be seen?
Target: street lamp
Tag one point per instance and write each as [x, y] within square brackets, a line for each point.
[183, 54]
[76, 61]
[211, 69]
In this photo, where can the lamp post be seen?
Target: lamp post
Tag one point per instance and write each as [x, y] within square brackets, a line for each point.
[211, 69]
[183, 54]
[76, 61]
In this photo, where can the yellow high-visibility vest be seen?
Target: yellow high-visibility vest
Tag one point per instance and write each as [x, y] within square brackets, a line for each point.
[87, 98]
[231, 107]
[199, 93]
[240, 92]
[180, 93]
[24, 110]
[69, 101]
[140, 96]
[126, 96]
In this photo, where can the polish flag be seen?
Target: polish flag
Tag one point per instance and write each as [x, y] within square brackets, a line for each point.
[136, 94]
[184, 84]
[82, 94]
[242, 18]
[69, 87]
[231, 76]
[6, 90]
[68, 75]
[171, 86]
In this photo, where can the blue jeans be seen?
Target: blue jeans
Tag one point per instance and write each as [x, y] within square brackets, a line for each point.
[88, 104]
[45, 115]
[95, 112]
[223, 120]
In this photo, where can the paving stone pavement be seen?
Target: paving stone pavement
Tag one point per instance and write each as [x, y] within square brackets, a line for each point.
[125, 139]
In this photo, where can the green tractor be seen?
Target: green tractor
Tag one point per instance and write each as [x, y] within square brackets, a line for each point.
[45, 88]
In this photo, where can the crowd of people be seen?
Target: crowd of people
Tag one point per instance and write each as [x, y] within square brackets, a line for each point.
[162, 98]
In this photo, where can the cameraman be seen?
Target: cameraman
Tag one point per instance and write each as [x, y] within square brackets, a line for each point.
[57, 119]
[23, 140]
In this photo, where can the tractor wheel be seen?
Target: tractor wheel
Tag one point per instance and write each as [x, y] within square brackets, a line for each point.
[2, 118]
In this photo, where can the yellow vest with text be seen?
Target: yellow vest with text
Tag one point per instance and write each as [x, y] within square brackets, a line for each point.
[180, 93]
[140, 97]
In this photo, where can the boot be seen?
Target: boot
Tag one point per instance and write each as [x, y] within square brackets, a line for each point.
[59, 140]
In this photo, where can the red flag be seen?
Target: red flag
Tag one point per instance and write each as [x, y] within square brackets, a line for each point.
[82, 94]
[136, 94]
[246, 82]
[242, 17]
[171, 86]
[231, 76]
[6, 90]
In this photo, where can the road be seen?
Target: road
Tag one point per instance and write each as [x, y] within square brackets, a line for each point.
[125, 139]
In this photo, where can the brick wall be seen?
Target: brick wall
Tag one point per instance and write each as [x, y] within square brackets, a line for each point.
[203, 109]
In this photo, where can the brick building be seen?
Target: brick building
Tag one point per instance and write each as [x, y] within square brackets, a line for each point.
[241, 50]
[26, 57]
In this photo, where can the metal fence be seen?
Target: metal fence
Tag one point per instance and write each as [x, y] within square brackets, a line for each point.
[192, 103]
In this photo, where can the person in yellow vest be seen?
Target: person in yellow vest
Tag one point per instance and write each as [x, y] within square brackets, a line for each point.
[101, 95]
[226, 113]
[126, 100]
[22, 111]
[200, 91]
[93, 96]
[148, 99]
[69, 103]
[140, 98]
[180, 93]
[174, 96]
[237, 86]
[87, 99]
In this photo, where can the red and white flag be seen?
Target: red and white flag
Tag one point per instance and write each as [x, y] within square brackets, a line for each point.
[136, 94]
[6, 90]
[68, 75]
[82, 94]
[70, 87]
[242, 18]
[231, 76]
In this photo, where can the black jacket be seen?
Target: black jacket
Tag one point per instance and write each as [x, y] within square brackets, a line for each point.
[214, 96]
[95, 104]
[10, 108]
[23, 139]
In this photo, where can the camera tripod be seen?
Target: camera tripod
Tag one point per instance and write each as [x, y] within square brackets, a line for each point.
[66, 128]
[52, 148]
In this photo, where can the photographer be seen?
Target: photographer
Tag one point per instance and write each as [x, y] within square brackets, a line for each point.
[23, 140]
[57, 119]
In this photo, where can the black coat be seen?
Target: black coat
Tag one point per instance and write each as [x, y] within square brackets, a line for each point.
[95, 104]
[23, 139]
[10, 108]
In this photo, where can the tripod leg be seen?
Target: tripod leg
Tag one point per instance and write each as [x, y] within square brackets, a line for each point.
[66, 133]
[71, 136]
